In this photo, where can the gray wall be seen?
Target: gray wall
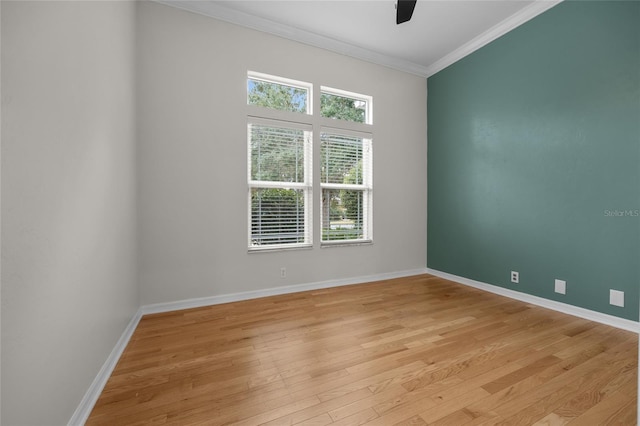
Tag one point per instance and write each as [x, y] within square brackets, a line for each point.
[124, 171]
[68, 200]
[192, 159]
[534, 158]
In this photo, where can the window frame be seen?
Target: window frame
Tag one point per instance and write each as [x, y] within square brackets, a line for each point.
[367, 99]
[266, 78]
[313, 190]
[366, 187]
[306, 185]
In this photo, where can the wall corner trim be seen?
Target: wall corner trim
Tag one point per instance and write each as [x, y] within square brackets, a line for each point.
[90, 398]
[564, 308]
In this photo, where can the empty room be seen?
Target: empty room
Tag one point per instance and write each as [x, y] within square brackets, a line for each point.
[372, 212]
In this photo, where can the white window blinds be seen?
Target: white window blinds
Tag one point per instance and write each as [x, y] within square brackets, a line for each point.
[283, 132]
[346, 184]
[279, 184]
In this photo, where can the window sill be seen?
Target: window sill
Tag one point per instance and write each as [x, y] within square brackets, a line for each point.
[253, 250]
[331, 244]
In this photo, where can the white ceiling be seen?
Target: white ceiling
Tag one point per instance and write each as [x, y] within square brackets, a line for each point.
[439, 33]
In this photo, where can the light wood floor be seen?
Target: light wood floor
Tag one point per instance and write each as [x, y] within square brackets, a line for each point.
[410, 351]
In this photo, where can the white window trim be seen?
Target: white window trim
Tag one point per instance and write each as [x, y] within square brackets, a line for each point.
[353, 95]
[287, 82]
[366, 187]
[306, 186]
[316, 124]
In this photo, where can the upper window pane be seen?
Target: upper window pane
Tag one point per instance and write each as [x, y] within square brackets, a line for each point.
[341, 159]
[343, 106]
[277, 153]
[277, 94]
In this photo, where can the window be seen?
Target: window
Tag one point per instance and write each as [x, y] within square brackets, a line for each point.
[346, 187]
[280, 140]
[278, 93]
[346, 168]
[280, 184]
[343, 105]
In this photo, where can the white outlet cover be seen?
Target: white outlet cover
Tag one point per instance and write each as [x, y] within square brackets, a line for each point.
[561, 286]
[515, 277]
[616, 298]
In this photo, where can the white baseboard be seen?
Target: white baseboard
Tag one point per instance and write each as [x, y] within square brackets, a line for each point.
[611, 320]
[247, 295]
[86, 405]
[83, 411]
[90, 398]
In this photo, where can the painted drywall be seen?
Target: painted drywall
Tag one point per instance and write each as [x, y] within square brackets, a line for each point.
[534, 158]
[68, 200]
[192, 159]
[0, 226]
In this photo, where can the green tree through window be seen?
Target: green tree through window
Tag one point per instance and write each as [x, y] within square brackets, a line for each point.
[280, 165]
[342, 108]
[277, 96]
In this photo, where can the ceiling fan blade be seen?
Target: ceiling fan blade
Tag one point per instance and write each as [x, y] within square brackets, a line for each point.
[404, 10]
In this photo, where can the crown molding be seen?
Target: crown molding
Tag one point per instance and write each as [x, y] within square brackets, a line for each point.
[497, 31]
[217, 11]
[214, 10]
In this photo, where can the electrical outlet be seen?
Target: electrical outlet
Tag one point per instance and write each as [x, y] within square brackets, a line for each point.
[616, 298]
[515, 277]
[283, 272]
[561, 286]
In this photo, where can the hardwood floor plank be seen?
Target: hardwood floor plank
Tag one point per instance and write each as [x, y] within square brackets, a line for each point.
[323, 407]
[410, 400]
[321, 420]
[521, 374]
[531, 406]
[410, 351]
[360, 418]
[609, 412]
[368, 402]
[446, 406]
[412, 421]
[456, 418]
[552, 419]
[278, 412]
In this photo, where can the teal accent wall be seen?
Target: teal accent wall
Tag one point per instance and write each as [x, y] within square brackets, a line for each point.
[534, 158]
